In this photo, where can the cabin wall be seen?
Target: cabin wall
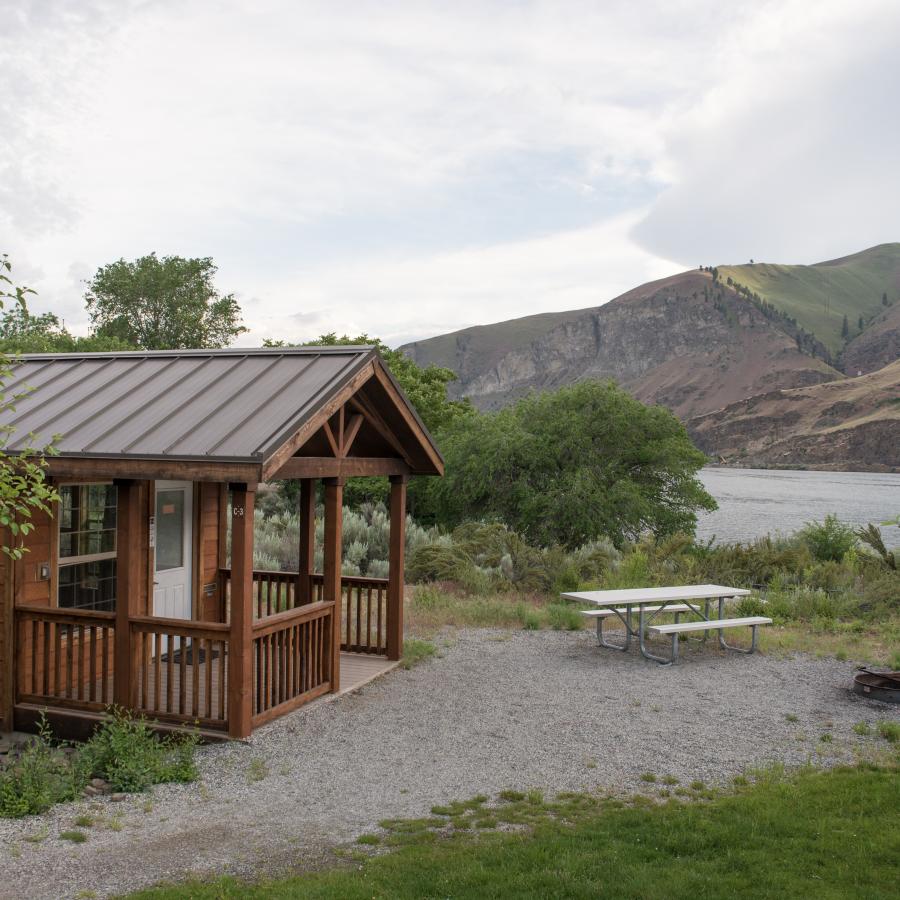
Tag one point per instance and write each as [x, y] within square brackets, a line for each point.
[208, 605]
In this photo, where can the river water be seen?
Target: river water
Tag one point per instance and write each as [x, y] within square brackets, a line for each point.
[754, 502]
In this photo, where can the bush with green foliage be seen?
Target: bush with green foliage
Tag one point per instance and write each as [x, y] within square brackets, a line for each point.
[41, 777]
[567, 467]
[830, 539]
[123, 751]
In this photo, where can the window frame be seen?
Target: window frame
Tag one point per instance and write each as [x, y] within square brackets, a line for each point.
[61, 562]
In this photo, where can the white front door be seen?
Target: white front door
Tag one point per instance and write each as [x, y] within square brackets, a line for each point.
[172, 593]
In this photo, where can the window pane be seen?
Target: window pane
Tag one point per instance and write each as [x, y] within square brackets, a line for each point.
[169, 530]
[87, 519]
[90, 585]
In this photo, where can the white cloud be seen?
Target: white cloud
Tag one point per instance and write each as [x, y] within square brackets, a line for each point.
[400, 168]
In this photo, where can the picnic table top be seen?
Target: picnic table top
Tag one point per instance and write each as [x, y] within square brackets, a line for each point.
[638, 596]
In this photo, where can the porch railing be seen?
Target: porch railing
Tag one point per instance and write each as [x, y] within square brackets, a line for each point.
[291, 659]
[64, 657]
[182, 670]
[364, 610]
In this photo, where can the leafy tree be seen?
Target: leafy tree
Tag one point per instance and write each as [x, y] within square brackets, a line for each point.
[568, 467]
[861, 323]
[162, 304]
[22, 332]
[23, 484]
[845, 328]
[884, 299]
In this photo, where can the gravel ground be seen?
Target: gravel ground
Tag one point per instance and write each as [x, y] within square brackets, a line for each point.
[497, 710]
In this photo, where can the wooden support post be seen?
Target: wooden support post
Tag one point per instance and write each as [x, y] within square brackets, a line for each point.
[240, 637]
[128, 589]
[395, 567]
[307, 541]
[334, 508]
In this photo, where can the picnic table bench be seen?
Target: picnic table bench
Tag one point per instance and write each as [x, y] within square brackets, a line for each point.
[651, 602]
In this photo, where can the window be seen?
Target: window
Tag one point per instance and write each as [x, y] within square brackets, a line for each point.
[87, 547]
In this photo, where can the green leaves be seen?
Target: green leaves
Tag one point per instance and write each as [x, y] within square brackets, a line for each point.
[162, 304]
[569, 466]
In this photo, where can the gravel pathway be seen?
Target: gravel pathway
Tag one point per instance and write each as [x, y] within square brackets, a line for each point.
[496, 710]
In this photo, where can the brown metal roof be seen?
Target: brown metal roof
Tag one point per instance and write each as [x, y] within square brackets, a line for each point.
[235, 405]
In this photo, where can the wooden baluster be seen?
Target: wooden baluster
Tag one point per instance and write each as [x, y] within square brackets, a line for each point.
[369, 617]
[157, 671]
[104, 667]
[58, 690]
[258, 660]
[145, 670]
[195, 663]
[48, 626]
[170, 672]
[32, 655]
[209, 668]
[79, 693]
[223, 658]
[70, 655]
[92, 693]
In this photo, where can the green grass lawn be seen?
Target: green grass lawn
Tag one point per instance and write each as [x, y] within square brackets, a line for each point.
[829, 834]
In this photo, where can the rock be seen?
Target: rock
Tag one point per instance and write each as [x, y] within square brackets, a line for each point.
[98, 783]
[118, 798]
[5, 746]
[90, 791]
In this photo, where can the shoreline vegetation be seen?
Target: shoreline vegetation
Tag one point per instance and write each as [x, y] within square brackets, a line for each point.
[831, 589]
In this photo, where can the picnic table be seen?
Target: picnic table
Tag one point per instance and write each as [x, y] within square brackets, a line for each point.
[649, 603]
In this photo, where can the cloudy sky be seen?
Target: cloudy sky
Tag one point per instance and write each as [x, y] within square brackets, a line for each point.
[407, 169]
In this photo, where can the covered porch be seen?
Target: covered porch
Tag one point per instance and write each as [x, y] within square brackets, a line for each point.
[242, 646]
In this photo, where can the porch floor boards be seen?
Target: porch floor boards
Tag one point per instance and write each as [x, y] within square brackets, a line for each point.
[358, 669]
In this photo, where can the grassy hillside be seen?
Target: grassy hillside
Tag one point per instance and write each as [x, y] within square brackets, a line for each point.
[819, 296]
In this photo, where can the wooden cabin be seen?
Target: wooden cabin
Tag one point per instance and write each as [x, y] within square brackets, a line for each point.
[139, 590]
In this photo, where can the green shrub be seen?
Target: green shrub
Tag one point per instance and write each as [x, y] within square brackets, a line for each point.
[125, 752]
[40, 778]
[890, 731]
[416, 651]
[830, 539]
[563, 617]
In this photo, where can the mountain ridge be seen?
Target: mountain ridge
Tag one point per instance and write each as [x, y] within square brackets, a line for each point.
[692, 341]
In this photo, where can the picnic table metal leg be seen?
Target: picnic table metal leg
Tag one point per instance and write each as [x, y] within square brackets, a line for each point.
[646, 653]
[628, 632]
[724, 644]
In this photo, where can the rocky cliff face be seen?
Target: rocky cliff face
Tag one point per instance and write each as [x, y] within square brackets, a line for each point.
[877, 346]
[851, 424]
[686, 342]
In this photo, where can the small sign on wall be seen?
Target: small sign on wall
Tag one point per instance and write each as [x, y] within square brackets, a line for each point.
[152, 532]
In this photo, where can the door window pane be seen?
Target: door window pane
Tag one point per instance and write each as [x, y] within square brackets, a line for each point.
[169, 530]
